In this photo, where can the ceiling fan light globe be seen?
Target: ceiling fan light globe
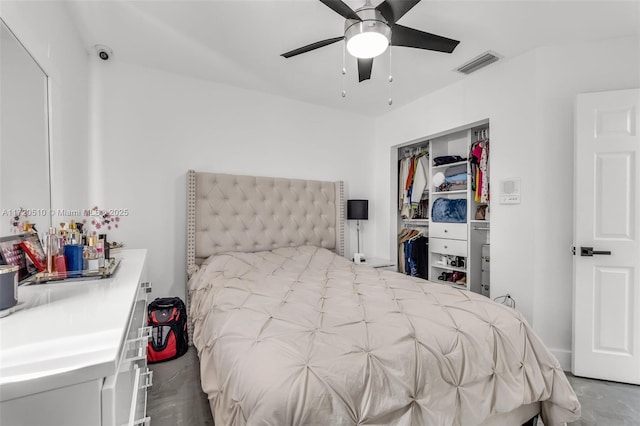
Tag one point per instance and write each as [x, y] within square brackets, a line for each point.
[367, 45]
[367, 39]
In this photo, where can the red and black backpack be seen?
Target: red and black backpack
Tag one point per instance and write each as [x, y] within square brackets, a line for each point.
[169, 339]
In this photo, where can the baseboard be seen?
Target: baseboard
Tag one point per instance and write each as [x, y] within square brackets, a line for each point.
[564, 357]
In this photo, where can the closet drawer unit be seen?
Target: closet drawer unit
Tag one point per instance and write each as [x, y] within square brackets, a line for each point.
[455, 231]
[445, 246]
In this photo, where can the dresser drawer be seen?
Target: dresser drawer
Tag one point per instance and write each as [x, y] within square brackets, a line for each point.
[455, 231]
[445, 246]
[124, 393]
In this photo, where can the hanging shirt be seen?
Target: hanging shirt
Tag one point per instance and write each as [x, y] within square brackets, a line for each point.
[420, 180]
[476, 173]
[402, 181]
[484, 168]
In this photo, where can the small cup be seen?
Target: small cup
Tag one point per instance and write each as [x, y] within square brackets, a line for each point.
[74, 261]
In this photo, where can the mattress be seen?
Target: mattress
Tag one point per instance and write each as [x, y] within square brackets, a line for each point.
[302, 336]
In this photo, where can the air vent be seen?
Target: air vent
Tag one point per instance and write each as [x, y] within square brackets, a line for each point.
[478, 62]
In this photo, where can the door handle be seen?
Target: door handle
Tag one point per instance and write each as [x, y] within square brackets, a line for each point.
[589, 251]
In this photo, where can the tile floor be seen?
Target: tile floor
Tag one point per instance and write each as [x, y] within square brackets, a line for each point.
[176, 399]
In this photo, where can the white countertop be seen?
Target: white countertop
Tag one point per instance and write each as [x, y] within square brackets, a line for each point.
[67, 332]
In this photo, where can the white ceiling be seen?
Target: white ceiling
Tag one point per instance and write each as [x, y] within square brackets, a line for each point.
[239, 42]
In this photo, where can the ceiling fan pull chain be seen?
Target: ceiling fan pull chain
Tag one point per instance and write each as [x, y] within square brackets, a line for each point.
[390, 76]
[344, 69]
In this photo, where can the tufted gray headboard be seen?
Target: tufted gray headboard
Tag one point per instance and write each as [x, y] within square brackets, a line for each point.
[251, 213]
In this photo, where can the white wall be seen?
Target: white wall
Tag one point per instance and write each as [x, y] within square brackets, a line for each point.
[47, 31]
[149, 127]
[529, 101]
[562, 73]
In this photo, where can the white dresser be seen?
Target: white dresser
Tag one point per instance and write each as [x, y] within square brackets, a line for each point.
[74, 353]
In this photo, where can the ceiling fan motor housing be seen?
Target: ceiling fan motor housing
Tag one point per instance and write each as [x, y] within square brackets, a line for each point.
[372, 24]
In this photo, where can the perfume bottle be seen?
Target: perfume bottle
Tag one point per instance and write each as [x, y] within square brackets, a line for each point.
[91, 254]
[62, 235]
[74, 236]
[105, 243]
[100, 251]
[83, 233]
[52, 249]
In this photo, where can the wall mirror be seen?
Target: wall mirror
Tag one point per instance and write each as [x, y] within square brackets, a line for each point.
[24, 136]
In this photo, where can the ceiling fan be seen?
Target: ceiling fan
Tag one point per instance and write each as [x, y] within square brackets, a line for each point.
[368, 31]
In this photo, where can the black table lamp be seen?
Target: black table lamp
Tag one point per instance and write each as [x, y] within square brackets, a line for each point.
[358, 210]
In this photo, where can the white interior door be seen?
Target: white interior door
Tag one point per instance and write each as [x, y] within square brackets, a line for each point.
[606, 287]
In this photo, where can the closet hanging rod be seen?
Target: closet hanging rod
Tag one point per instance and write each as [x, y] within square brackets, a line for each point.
[411, 152]
[481, 228]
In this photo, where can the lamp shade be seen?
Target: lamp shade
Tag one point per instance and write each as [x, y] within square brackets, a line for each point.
[358, 209]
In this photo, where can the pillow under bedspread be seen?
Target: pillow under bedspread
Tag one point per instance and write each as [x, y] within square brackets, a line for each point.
[303, 336]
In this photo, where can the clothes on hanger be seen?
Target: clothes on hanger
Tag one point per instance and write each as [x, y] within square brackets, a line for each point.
[413, 179]
[413, 249]
[479, 170]
[420, 180]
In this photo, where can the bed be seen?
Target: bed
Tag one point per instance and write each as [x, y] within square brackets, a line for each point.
[289, 332]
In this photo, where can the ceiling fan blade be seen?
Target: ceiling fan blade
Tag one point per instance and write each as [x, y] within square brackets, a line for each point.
[341, 8]
[364, 69]
[409, 37]
[312, 46]
[392, 10]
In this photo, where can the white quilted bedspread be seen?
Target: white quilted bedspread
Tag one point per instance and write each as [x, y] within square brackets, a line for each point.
[301, 336]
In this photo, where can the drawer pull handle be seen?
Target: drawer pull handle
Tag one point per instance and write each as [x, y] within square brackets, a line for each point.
[145, 332]
[142, 422]
[147, 378]
[137, 348]
[446, 246]
[146, 286]
[446, 230]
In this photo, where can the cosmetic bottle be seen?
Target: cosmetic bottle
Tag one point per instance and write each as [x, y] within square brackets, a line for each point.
[74, 236]
[107, 254]
[83, 233]
[62, 235]
[61, 267]
[28, 228]
[91, 254]
[100, 251]
[52, 249]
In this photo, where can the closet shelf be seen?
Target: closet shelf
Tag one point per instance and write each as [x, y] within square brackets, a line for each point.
[480, 225]
[423, 222]
[448, 268]
[457, 191]
[444, 166]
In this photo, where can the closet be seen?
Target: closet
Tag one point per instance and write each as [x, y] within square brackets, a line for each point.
[413, 209]
[443, 208]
